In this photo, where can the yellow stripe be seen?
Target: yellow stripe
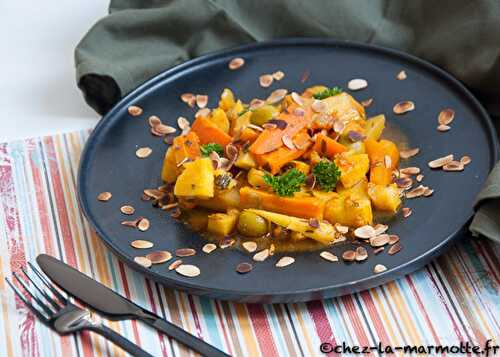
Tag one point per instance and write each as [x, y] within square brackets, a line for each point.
[246, 329]
[313, 350]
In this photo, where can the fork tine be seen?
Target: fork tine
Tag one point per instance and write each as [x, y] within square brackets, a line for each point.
[27, 303]
[47, 297]
[40, 303]
[48, 284]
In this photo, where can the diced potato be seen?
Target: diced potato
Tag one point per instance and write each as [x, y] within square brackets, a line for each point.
[301, 166]
[325, 233]
[197, 179]
[374, 127]
[325, 196]
[353, 168]
[169, 171]
[359, 190]
[222, 200]
[256, 178]
[263, 114]
[220, 119]
[384, 197]
[245, 161]
[226, 101]
[344, 107]
[349, 211]
[240, 122]
[222, 224]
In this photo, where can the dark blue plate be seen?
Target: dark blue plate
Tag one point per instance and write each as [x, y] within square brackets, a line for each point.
[108, 163]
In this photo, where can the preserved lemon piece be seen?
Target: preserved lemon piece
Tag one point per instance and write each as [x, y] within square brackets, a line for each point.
[222, 224]
[385, 197]
[197, 179]
[263, 114]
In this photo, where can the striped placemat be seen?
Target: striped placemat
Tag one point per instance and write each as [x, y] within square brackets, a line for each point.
[454, 299]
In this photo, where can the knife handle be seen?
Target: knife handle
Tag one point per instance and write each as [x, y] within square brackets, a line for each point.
[119, 340]
[182, 336]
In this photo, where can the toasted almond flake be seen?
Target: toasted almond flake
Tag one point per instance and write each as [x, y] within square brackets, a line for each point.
[465, 160]
[419, 177]
[256, 103]
[453, 166]
[287, 141]
[396, 247]
[361, 254]
[416, 192]
[175, 264]
[338, 126]
[209, 248]
[159, 257]
[313, 222]
[132, 224]
[387, 161]
[428, 192]
[412, 170]
[163, 129]
[134, 110]
[154, 193]
[188, 270]
[261, 256]
[379, 268]
[446, 116]
[201, 100]
[378, 250]
[355, 136]
[266, 80]
[145, 262]
[367, 102]
[341, 229]
[104, 196]
[329, 256]
[269, 126]
[357, 84]
[440, 162]
[349, 255]
[205, 113]
[188, 97]
[141, 244]
[305, 76]
[185, 252]
[169, 206]
[127, 209]
[144, 152]
[272, 249]
[393, 239]
[255, 127]
[276, 96]
[297, 99]
[244, 268]
[143, 224]
[299, 112]
[443, 128]
[318, 106]
[249, 246]
[403, 107]
[406, 212]
[404, 182]
[379, 240]
[401, 76]
[285, 261]
[236, 63]
[380, 228]
[278, 75]
[406, 154]
[153, 121]
[365, 232]
[226, 243]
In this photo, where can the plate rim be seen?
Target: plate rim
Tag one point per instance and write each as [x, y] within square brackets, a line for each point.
[364, 283]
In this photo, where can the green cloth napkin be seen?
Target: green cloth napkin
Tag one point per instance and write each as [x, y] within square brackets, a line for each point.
[139, 39]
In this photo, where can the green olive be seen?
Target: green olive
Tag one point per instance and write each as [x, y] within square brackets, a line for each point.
[263, 114]
[252, 225]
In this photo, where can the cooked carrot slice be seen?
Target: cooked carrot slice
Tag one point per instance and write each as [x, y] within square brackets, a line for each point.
[208, 132]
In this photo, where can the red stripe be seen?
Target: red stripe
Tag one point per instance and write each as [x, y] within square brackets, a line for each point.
[262, 329]
[223, 326]
[375, 317]
[152, 304]
[323, 328]
[195, 317]
[126, 289]
[355, 320]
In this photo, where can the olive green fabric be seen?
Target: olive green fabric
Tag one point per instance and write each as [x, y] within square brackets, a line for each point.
[139, 39]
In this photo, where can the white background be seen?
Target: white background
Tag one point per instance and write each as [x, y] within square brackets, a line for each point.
[38, 92]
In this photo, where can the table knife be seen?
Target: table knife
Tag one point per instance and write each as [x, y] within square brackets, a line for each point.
[114, 306]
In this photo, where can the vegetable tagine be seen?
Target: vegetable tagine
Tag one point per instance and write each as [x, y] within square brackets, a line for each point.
[295, 170]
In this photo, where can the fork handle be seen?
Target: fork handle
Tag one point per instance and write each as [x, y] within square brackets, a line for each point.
[119, 340]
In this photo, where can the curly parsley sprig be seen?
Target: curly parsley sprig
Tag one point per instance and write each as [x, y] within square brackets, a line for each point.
[327, 174]
[286, 184]
[328, 93]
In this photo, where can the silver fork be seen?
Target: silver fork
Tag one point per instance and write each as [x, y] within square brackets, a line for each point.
[58, 313]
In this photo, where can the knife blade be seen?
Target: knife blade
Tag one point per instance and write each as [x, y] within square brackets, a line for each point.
[114, 306]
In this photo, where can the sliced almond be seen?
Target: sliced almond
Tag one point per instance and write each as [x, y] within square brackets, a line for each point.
[349, 255]
[226, 243]
[305, 76]
[175, 264]
[278, 75]
[154, 193]
[443, 128]
[276, 96]
[404, 182]
[261, 256]
[465, 160]
[188, 98]
[134, 110]
[453, 166]
[380, 228]
[446, 116]
[145, 262]
[104, 196]
[440, 162]
[416, 192]
[403, 107]
[328, 256]
[163, 129]
[266, 80]
[379, 240]
[204, 113]
[297, 99]
[188, 270]
[201, 100]
[406, 154]
[287, 141]
[428, 192]
[159, 257]
[272, 249]
[236, 63]
[132, 224]
[419, 177]
[367, 102]
[341, 229]
[393, 239]
[379, 268]
[378, 250]
[244, 268]
[406, 212]
[141, 244]
[144, 152]
[395, 248]
[249, 246]
[338, 126]
[127, 209]
[318, 106]
[153, 121]
[209, 248]
[357, 84]
[256, 103]
[361, 254]
[185, 252]
[412, 170]
[285, 261]
[401, 76]
[143, 224]
[364, 232]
